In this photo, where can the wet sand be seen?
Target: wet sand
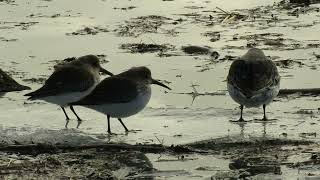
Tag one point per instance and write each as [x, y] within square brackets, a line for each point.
[36, 35]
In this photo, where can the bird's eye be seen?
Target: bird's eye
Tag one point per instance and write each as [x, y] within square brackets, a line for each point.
[95, 64]
[147, 76]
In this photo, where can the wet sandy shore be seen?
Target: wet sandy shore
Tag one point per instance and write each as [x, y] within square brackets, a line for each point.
[36, 35]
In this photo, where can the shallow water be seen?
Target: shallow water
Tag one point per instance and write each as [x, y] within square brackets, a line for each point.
[29, 50]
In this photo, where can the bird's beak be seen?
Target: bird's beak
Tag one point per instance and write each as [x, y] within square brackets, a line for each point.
[104, 71]
[159, 83]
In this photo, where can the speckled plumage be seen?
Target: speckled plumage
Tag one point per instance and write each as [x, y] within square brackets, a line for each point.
[253, 79]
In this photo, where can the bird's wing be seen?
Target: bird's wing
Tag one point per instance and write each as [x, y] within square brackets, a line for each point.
[63, 80]
[111, 90]
[252, 76]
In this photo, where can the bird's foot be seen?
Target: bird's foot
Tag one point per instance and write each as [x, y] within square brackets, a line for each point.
[265, 120]
[79, 123]
[112, 134]
[67, 122]
[133, 131]
[241, 120]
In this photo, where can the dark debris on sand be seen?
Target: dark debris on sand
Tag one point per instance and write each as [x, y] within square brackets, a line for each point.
[39, 80]
[8, 84]
[303, 2]
[57, 15]
[92, 161]
[125, 8]
[146, 48]
[7, 1]
[287, 63]
[301, 92]
[8, 40]
[167, 50]
[249, 157]
[24, 25]
[89, 31]
[200, 50]
[86, 164]
[253, 156]
[213, 35]
[145, 24]
[246, 145]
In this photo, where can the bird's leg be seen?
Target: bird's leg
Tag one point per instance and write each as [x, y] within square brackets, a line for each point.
[79, 122]
[67, 118]
[74, 112]
[65, 113]
[241, 110]
[264, 129]
[66, 125]
[109, 130]
[123, 125]
[264, 113]
[78, 118]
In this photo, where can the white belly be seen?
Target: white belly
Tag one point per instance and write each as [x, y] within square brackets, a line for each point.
[65, 98]
[264, 96]
[122, 110]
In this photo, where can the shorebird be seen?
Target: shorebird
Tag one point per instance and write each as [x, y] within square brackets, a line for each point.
[253, 80]
[70, 82]
[121, 95]
[8, 84]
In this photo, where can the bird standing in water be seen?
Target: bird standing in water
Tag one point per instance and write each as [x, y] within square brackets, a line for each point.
[121, 95]
[253, 80]
[70, 82]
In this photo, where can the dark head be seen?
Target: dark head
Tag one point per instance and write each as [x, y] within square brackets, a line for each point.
[254, 54]
[142, 74]
[93, 62]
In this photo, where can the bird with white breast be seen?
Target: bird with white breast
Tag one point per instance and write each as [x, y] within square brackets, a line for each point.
[121, 95]
[70, 82]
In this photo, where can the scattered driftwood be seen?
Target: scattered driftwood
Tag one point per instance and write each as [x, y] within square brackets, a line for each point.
[231, 17]
[311, 91]
[35, 149]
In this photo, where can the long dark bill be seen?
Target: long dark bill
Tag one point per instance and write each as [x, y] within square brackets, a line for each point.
[159, 83]
[104, 71]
